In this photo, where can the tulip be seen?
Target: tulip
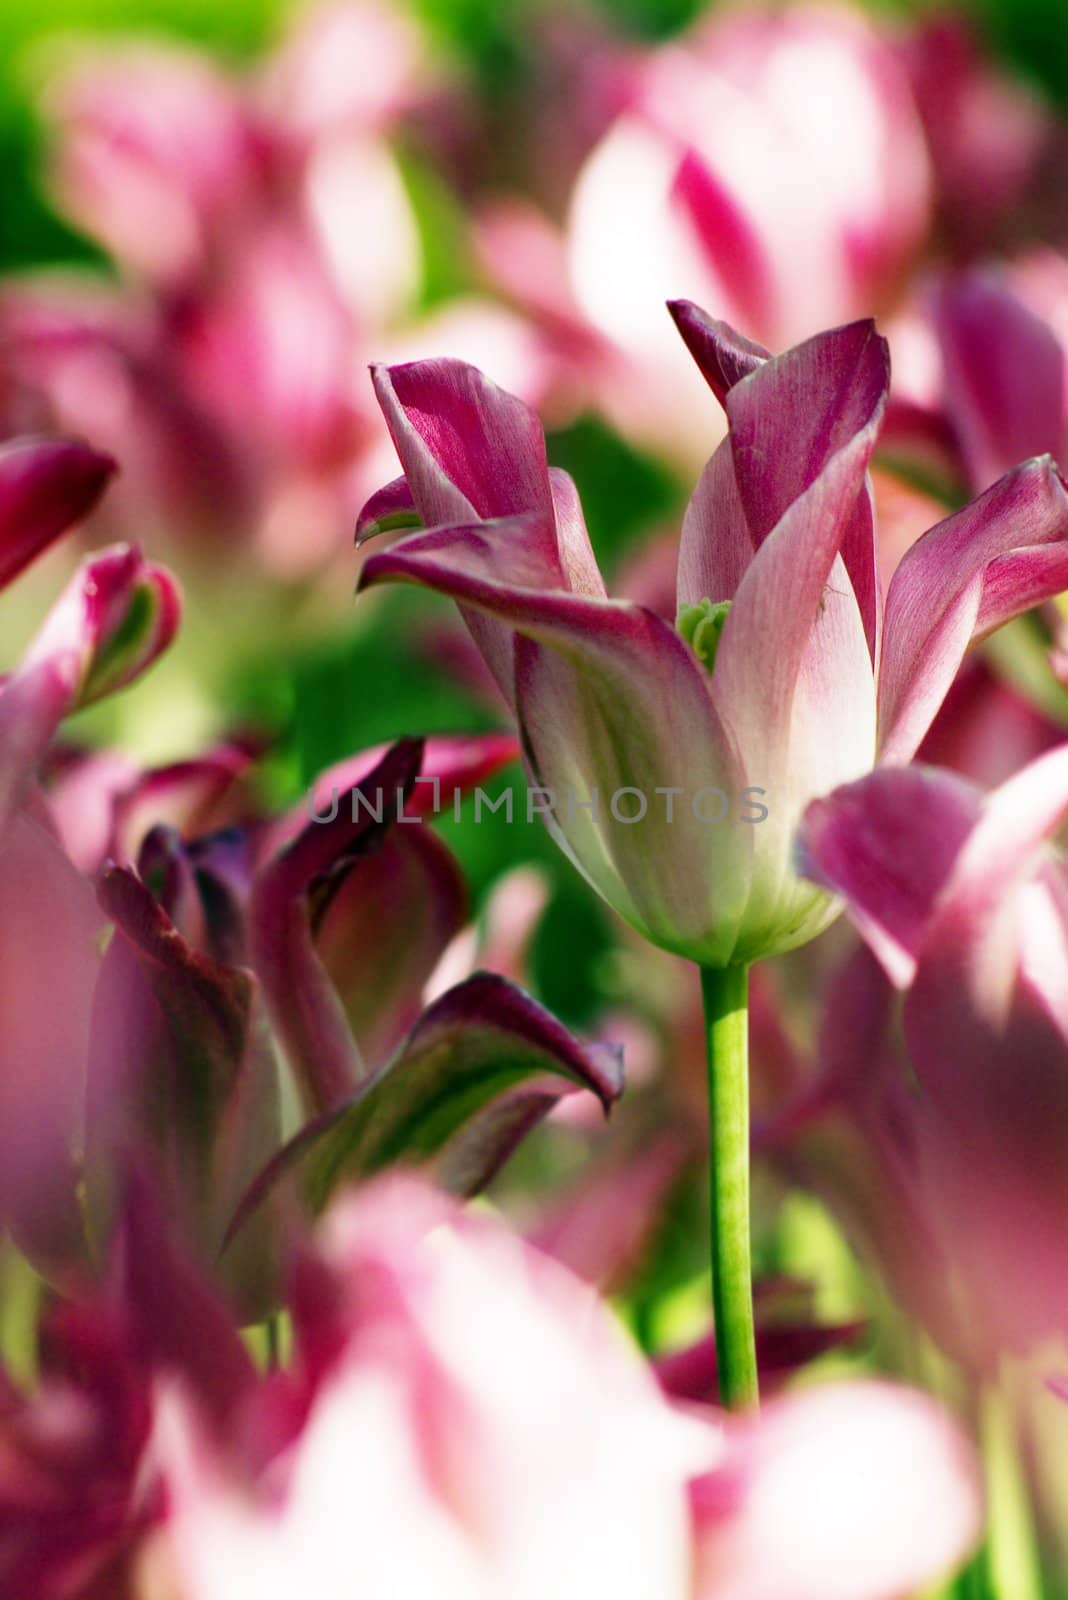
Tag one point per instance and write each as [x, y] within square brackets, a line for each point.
[962, 902]
[620, 714]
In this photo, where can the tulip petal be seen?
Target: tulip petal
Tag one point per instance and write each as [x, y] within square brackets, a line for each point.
[466, 445]
[48, 971]
[388, 509]
[888, 845]
[1003, 851]
[723, 356]
[938, 598]
[469, 447]
[479, 1067]
[291, 893]
[176, 1322]
[849, 1491]
[794, 414]
[1004, 376]
[46, 485]
[116, 616]
[793, 672]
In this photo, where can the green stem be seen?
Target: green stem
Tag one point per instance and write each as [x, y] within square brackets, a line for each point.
[724, 991]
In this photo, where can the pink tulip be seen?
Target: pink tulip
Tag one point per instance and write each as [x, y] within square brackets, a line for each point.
[962, 902]
[470, 1422]
[769, 697]
[771, 165]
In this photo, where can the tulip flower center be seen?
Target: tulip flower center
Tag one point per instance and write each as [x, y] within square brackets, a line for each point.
[701, 625]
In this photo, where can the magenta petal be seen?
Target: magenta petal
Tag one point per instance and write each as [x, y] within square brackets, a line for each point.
[290, 894]
[790, 417]
[465, 445]
[1004, 377]
[888, 845]
[116, 616]
[1004, 849]
[723, 355]
[45, 486]
[1010, 539]
[793, 675]
[388, 509]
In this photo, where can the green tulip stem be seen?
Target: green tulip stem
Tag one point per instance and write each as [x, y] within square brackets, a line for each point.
[725, 994]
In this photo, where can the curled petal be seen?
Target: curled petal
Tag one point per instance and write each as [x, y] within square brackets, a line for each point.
[385, 930]
[388, 509]
[118, 614]
[466, 446]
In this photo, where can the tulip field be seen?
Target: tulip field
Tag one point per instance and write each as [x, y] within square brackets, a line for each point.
[534, 800]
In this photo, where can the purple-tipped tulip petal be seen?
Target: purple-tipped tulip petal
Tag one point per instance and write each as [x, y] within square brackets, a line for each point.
[46, 485]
